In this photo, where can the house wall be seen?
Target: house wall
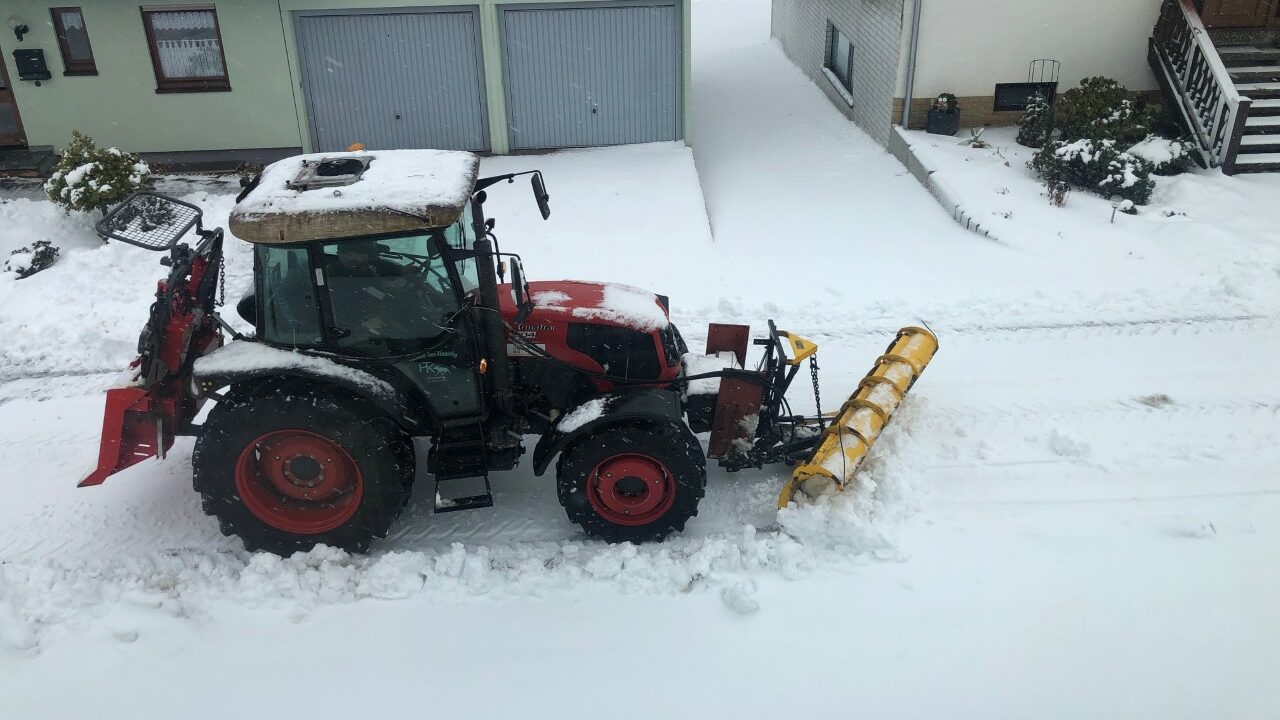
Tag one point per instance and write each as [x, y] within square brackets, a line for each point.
[264, 109]
[966, 48]
[120, 107]
[874, 26]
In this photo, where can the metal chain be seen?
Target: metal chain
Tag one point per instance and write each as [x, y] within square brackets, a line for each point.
[817, 394]
[222, 281]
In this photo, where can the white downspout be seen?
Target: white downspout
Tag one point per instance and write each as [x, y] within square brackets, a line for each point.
[913, 52]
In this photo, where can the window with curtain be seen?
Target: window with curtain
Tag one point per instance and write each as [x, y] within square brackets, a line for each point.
[73, 41]
[186, 49]
[840, 56]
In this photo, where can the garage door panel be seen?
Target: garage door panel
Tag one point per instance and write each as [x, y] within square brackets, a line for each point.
[395, 80]
[592, 76]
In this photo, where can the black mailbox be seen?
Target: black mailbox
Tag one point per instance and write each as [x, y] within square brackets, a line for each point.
[31, 65]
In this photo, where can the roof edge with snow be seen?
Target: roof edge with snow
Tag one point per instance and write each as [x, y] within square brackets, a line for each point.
[400, 191]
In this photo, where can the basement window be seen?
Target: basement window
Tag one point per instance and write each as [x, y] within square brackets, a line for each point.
[186, 49]
[73, 41]
[839, 59]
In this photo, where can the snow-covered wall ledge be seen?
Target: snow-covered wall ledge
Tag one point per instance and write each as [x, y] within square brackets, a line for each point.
[902, 146]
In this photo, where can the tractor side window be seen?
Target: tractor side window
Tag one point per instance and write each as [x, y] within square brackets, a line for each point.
[286, 297]
[461, 236]
[388, 295]
[622, 352]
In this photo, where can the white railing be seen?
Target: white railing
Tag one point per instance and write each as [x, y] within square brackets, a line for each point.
[1187, 64]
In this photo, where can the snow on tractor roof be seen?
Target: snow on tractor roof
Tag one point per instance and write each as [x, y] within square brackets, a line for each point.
[328, 196]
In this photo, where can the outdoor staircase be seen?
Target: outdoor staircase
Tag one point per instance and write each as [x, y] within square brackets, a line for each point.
[1224, 84]
[1255, 71]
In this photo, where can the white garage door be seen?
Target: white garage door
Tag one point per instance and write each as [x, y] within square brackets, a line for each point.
[392, 79]
[605, 74]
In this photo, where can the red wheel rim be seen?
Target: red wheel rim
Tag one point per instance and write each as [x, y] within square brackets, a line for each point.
[631, 489]
[298, 482]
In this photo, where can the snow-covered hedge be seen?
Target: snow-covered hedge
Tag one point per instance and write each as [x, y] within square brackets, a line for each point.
[29, 260]
[1100, 167]
[1036, 126]
[1102, 109]
[91, 178]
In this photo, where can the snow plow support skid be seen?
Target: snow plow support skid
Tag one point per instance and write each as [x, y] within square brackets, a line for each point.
[863, 416]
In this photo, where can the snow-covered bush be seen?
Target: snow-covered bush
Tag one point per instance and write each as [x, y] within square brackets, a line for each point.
[1098, 167]
[29, 260]
[1036, 126]
[1166, 157]
[1102, 109]
[92, 178]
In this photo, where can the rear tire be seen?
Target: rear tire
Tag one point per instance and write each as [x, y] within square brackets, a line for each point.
[633, 483]
[287, 473]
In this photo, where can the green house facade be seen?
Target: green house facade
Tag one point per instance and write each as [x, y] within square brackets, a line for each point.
[258, 79]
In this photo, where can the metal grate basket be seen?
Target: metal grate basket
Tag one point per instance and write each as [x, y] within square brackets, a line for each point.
[150, 220]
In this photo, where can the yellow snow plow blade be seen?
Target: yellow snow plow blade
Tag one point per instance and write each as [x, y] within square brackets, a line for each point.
[864, 416]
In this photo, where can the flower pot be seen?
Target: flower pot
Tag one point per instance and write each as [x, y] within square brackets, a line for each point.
[943, 123]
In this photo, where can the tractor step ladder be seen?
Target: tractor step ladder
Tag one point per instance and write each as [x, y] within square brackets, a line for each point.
[460, 457]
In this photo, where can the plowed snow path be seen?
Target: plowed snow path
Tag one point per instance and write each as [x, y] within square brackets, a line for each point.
[1102, 467]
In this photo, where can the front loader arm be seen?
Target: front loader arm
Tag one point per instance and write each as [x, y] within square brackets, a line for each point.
[142, 419]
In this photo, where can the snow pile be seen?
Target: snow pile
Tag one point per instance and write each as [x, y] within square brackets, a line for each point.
[699, 364]
[588, 411]
[629, 306]
[83, 315]
[1158, 151]
[245, 356]
[52, 598]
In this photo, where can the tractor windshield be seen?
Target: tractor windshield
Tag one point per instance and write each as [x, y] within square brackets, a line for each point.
[388, 296]
[461, 236]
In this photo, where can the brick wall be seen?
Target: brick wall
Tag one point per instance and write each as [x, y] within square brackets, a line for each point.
[875, 29]
[974, 112]
[978, 111]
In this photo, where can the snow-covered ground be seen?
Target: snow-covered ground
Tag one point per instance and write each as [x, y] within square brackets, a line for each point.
[1076, 514]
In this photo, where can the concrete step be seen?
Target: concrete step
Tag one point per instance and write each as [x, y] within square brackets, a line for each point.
[1255, 73]
[1250, 144]
[1249, 55]
[20, 162]
[1262, 125]
[1266, 107]
[1259, 91]
[1260, 163]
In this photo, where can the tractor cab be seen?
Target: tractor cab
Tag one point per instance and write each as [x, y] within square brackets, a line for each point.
[375, 258]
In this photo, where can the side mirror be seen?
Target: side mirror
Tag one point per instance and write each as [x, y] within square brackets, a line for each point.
[520, 291]
[540, 195]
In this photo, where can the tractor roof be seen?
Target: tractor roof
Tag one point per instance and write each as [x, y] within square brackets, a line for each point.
[332, 196]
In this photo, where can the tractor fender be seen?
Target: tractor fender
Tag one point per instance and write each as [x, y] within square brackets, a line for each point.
[651, 405]
[246, 363]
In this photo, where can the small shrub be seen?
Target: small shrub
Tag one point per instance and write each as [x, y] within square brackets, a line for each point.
[29, 260]
[92, 178]
[1036, 126]
[946, 103]
[1101, 109]
[1166, 157]
[1099, 167]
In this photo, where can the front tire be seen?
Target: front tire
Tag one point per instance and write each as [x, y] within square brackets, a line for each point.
[633, 483]
[285, 473]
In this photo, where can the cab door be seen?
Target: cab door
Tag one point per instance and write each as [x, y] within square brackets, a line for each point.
[397, 303]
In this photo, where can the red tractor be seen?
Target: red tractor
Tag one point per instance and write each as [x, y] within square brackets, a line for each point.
[381, 315]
